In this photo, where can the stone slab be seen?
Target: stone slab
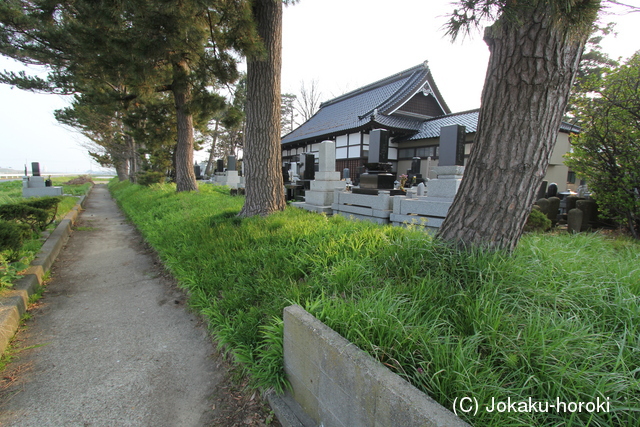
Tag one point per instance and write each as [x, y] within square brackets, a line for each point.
[446, 188]
[326, 185]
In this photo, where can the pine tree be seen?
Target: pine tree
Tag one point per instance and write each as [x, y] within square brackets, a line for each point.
[535, 51]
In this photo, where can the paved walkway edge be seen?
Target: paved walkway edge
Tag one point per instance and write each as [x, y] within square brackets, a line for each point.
[13, 302]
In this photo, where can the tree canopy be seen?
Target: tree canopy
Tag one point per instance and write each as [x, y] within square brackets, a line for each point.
[133, 50]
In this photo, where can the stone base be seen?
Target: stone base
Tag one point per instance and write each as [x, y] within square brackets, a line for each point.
[374, 208]
[42, 192]
[428, 212]
[327, 210]
[377, 181]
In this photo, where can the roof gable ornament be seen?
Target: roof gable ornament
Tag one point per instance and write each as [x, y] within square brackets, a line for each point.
[426, 90]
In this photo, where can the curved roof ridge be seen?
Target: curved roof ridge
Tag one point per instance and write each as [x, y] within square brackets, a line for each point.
[376, 84]
[413, 83]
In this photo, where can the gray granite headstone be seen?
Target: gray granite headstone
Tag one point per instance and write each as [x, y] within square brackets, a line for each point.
[379, 146]
[452, 145]
[35, 169]
[231, 163]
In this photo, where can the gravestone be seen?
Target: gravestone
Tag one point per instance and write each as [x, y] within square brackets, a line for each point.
[589, 210]
[554, 208]
[574, 220]
[452, 145]
[36, 186]
[319, 197]
[379, 146]
[308, 166]
[220, 165]
[377, 176]
[231, 163]
[542, 191]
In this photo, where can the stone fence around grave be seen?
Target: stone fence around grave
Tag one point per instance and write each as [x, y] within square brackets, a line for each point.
[334, 383]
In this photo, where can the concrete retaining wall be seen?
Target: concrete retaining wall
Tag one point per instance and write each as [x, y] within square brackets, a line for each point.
[14, 302]
[337, 384]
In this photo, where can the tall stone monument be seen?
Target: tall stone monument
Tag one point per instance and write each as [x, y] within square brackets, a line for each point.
[319, 197]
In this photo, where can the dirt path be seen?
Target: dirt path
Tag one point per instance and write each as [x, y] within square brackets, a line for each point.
[112, 344]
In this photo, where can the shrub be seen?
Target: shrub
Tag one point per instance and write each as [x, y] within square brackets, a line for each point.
[37, 213]
[149, 178]
[537, 221]
[10, 238]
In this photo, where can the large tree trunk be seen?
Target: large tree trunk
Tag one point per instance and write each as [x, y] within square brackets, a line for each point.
[529, 77]
[121, 164]
[185, 175]
[262, 153]
[132, 157]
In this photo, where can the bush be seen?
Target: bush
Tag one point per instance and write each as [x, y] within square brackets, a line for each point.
[537, 221]
[11, 237]
[149, 178]
[37, 213]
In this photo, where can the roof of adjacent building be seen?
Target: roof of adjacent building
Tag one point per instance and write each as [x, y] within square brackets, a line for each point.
[408, 103]
[469, 119]
[381, 104]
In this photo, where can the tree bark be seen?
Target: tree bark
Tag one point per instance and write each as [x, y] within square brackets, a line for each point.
[132, 157]
[185, 175]
[120, 162]
[529, 77]
[264, 187]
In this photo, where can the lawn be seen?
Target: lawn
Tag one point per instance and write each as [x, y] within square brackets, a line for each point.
[556, 319]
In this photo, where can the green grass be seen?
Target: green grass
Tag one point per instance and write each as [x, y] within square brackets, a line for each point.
[11, 192]
[558, 318]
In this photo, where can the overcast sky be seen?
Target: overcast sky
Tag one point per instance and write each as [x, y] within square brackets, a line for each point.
[342, 44]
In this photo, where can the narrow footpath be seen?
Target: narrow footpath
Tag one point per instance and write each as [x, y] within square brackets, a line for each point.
[111, 343]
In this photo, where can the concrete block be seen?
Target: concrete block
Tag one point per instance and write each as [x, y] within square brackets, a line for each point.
[352, 388]
[448, 170]
[444, 188]
[426, 207]
[327, 176]
[350, 209]
[326, 185]
[318, 198]
[352, 216]
[42, 192]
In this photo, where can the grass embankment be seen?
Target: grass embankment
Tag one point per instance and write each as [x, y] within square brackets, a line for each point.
[11, 192]
[557, 319]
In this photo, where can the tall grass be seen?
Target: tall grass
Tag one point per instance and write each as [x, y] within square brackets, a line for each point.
[557, 319]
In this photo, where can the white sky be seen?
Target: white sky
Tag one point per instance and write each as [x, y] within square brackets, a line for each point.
[342, 44]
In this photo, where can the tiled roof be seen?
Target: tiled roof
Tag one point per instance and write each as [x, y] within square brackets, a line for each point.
[372, 103]
[469, 119]
[431, 127]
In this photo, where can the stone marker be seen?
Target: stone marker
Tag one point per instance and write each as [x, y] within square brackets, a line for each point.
[35, 169]
[574, 220]
[452, 145]
[231, 163]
